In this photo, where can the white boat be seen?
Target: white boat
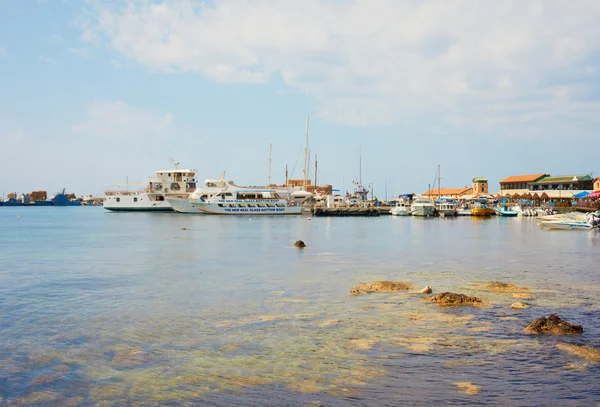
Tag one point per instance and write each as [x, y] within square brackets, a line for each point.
[446, 209]
[235, 200]
[210, 188]
[152, 195]
[402, 208]
[567, 224]
[422, 206]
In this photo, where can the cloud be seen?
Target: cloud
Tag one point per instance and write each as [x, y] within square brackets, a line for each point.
[45, 59]
[116, 64]
[376, 61]
[117, 121]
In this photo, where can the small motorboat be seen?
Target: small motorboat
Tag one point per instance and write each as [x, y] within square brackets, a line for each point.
[505, 211]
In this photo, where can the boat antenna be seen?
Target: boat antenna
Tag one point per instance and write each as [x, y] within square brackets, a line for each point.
[269, 173]
[175, 163]
[306, 151]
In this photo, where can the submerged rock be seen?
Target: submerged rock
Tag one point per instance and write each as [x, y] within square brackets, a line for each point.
[300, 244]
[450, 299]
[128, 356]
[553, 324]
[499, 286]
[184, 229]
[467, 388]
[518, 305]
[583, 351]
[427, 290]
[380, 286]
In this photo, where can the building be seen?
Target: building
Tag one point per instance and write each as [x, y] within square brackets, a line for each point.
[480, 186]
[597, 184]
[518, 184]
[581, 182]
[449, 192]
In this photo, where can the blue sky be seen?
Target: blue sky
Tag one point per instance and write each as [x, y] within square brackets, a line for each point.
[97, 92]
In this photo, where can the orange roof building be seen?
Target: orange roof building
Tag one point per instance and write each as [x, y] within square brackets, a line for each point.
[449, 192]
[515, 182]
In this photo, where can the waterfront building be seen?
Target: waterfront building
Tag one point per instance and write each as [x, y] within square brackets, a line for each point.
[480, 186]
[582, 182]
[597, 184]
[518, 184]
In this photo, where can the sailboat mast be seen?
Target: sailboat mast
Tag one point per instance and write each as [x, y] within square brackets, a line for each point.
[286, 175]
[315, 172]
[439, 178]
[360, 164]
[306, 152]
[269, 173]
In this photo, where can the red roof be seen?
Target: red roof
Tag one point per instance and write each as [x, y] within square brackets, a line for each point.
[447, 191]
[523, 178]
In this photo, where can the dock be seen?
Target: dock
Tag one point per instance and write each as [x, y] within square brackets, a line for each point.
[345, 211]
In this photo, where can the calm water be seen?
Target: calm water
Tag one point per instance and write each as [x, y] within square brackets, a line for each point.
[101, 308]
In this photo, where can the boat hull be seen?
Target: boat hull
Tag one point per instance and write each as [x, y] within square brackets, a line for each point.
[482, 212]
[422, 210]
[213, 208]
[135, 203]
[399, 211]
[566, 225]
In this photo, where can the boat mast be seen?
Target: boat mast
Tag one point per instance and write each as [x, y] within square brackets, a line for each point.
[315, 173]
[439, 186]
[305, 153]
[286, 175]
[269, 173]
[360, 164]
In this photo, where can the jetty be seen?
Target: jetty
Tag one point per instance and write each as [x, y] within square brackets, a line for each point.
[345, 211]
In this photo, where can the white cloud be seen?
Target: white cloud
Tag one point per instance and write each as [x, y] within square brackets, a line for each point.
[375, 61]
[121, 122]
[45, 59]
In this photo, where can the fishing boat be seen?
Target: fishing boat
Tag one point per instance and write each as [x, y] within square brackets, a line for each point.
[152, 195]
[235, 200]
[62, 199]
[446, 207]
[422, 206]
[481, 207]
[402, 208]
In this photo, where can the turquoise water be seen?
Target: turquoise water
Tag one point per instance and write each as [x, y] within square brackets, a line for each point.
[100, 308]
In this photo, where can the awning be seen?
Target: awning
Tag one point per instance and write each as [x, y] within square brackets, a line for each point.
[594, 195]
[582, 194]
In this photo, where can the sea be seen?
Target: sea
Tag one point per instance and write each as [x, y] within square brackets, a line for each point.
[143, 309]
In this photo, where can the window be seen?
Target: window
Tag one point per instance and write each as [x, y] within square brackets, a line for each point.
[135, 199]
[118, 199]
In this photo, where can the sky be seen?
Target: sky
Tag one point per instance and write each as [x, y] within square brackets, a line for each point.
[102, 92]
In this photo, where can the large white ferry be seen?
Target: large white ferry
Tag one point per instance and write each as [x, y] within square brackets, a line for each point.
[151, 195]
[231, 199]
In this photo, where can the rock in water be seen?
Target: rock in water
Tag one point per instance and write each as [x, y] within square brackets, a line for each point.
[583, 351]
[553, 324]
[499, 286]
[380, 286]
[427, 290]
[183, 228]
[300, 244]
[451, 299]
[518, 305]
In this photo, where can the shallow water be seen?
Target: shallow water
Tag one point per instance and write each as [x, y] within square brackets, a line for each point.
[100, 308]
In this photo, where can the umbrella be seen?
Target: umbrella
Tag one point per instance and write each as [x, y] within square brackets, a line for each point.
[536, 196]
[516, 196]
[544, 195]
[594, 195]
